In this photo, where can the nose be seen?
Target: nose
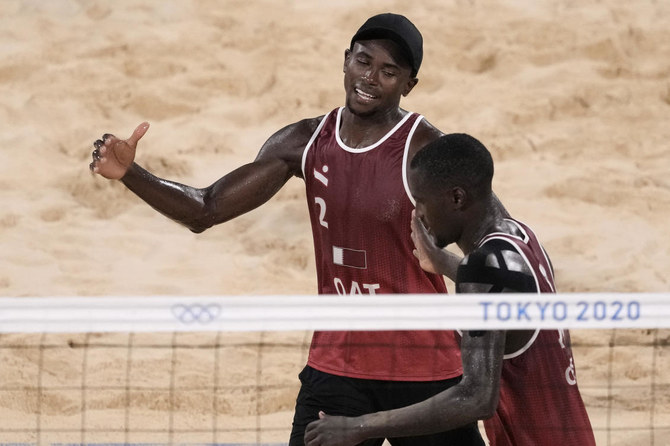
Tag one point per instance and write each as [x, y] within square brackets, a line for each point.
[370, 76]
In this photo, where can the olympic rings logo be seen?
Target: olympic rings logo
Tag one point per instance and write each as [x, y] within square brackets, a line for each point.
[200, 313]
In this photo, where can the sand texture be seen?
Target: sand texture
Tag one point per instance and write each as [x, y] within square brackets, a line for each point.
[572, 98]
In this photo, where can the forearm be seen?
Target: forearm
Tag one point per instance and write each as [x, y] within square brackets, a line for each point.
[181, 203]
[474, 398]
[234, 194]
[448, 410]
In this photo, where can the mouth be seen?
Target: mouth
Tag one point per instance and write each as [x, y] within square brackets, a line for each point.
[367, 97]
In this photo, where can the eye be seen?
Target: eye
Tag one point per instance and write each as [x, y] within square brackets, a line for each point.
[389, 73]
[363, 61]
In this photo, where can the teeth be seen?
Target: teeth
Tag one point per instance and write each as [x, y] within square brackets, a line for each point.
[364, 94]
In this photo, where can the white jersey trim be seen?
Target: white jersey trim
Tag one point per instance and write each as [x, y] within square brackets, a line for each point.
[405, 157]
[524, 348]
[544, 253]
[373, 146]
[506, 237]
[309, 144]
[524, 239]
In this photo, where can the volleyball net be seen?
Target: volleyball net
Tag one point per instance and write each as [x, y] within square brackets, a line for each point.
[204, 370]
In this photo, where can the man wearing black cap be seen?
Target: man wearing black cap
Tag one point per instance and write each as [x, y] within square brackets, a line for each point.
[354, 161]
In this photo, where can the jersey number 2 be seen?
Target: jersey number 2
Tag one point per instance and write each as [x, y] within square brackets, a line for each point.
[322, 211]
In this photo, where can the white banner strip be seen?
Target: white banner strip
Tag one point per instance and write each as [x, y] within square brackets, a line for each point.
[381, 312]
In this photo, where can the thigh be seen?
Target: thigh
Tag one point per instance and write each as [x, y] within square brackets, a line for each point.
[332, 394]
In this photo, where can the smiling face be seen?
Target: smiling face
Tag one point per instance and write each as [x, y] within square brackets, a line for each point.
[376, 75]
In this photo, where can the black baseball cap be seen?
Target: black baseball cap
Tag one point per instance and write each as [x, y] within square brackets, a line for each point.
[397, 28]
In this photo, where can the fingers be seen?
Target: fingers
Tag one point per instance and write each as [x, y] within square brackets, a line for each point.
[416, 254]
[100, 147]
[108, 139]
[415, 222]
[112, 156]
[310, 434]
[138, 133]
[419, 231]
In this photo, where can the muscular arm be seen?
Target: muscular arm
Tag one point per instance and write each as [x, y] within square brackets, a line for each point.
[240, 191]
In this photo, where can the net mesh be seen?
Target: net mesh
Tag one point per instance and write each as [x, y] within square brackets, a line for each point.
[193, 385]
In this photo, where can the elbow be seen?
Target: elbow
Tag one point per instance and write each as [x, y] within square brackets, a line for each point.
[476, 408]
[486, 410]
[203, 218]
[198, 225]
[481, 401]
[486, 403]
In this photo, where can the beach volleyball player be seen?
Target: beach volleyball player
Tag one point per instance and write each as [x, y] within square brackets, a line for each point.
[353, 161]
[522, 383]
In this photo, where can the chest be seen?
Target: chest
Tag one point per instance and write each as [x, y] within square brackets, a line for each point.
[366, 185]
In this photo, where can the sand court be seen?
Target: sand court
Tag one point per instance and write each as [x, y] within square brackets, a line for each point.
[573, 100]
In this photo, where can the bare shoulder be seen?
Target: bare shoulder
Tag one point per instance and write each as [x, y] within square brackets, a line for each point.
[495, 266]
[289, 142]
[424, 134]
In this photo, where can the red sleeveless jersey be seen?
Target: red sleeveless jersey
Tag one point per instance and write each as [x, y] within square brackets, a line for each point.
[540, 403]
[360, 210]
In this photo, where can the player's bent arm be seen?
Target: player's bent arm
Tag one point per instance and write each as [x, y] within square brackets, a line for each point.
[475, 397]
[240, 191]
[234, 194]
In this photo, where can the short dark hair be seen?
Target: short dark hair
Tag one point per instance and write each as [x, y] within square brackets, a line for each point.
[456, 159]
[397, 28]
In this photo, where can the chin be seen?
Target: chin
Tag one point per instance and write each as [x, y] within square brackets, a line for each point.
[360, 109]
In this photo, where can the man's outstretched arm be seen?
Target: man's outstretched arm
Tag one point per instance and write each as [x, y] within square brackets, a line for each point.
[237, 192]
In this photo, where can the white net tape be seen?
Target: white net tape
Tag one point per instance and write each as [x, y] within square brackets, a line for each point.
[406, 312]
[209, 370]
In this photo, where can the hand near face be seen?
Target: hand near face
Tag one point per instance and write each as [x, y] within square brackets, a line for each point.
[425, 249]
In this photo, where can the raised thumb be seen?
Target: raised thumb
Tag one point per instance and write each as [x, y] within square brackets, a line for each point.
[138, 133]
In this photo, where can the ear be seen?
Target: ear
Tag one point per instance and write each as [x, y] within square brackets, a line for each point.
[347, 56]
[459, 198]
[409, 86]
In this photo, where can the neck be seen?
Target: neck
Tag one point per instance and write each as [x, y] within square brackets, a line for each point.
[360, 130]
[489, 216]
